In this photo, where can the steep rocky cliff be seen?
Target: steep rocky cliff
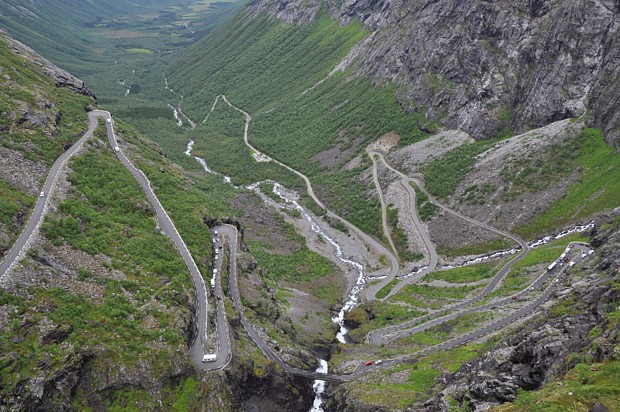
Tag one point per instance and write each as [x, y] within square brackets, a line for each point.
[486, 67]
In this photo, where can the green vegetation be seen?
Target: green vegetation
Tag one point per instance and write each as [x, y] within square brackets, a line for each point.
[464, 274]
[31, 140]
[519, 277]
[434, 292]
[106, 212]
[302, 265]
[585, 384]
[253, 66]
[442, 176]
[140, 51]
[220, 143]
[426, 208]
[100, 223]
[581, 387]
[92, 42]
[377, 315]
[597, 189]
[398, 391]
[384, 291]
[12, 203]
[445, 331]
[187, 201]
[476, 195]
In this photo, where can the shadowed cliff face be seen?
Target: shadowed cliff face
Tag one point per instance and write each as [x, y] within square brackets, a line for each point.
[486, 66]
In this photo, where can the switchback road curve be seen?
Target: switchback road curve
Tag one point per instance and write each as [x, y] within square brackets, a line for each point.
[38, 212]
[164, 223]
[230, 233]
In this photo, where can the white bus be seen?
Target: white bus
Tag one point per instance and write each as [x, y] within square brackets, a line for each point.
[209, 357]
[552, 266]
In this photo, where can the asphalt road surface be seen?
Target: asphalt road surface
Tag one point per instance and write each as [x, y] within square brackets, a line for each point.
[166, 225]
[230, 233]
[36, 217]
[377, 247]
[224, 351]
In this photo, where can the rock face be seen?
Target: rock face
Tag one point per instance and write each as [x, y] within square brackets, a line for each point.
[486, 66]
[61, 77]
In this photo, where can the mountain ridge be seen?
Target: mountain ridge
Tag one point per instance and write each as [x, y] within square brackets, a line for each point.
[485, 67]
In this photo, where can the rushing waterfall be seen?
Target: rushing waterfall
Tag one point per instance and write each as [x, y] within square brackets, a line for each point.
[319, 387]
[353, 298]
[176, 115]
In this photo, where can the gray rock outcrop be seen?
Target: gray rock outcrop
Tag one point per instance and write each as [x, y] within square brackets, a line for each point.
[486, 67]
[61, 77]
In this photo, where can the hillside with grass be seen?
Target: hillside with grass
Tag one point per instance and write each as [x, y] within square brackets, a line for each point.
[321, 131]
[99, 313]
[42, 113]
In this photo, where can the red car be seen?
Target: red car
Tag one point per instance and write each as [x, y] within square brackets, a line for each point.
[368, 363]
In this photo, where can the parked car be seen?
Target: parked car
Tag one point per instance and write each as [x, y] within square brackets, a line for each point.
[368, 363]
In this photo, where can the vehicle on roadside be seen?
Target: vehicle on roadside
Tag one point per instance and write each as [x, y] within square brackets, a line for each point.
[368, 363]
[117, 149]
[378, 362]
[514, 297]
[209, 357]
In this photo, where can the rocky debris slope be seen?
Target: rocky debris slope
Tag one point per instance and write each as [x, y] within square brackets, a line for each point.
[511, 183]
[486, 66]
[544, 348]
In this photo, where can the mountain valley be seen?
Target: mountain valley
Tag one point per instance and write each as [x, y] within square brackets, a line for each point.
[372, 206]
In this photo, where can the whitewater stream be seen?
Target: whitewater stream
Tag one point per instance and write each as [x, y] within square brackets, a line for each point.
[353, 297]
[319, 387]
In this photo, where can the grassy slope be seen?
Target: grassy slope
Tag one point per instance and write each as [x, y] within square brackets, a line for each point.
[56, 28]
[598, 187]
[105, 214]
[22, 91]
[263, 66]
[25, 91]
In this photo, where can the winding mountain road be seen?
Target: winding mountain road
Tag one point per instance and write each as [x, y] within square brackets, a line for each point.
[378, 247]
[230, 233]
[224, 349]
[389, 333]
[164, 223]
[384, 219]
[38, 212]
